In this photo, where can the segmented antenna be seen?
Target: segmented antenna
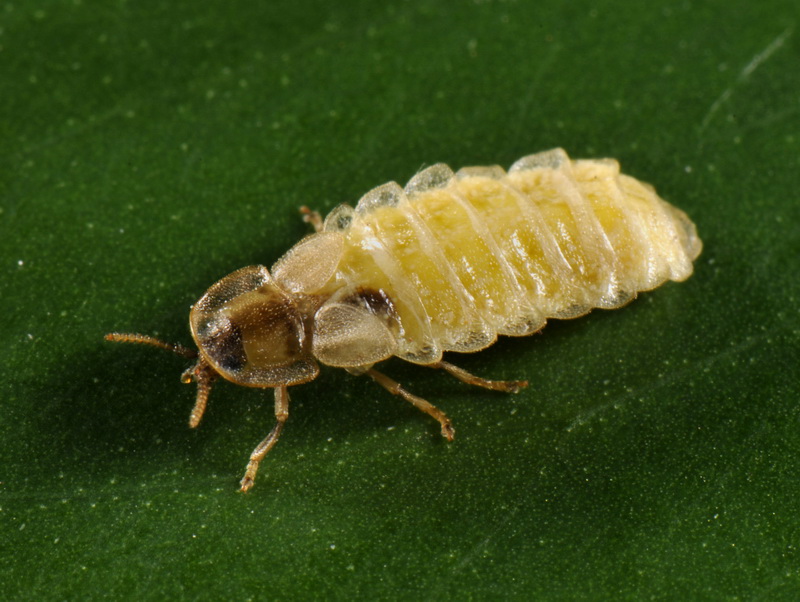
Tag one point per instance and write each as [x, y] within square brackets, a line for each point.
[144, 339]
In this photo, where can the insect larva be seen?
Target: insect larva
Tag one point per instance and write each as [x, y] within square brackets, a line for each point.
[446, 264]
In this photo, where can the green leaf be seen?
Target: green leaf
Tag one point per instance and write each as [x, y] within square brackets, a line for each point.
[149, 148]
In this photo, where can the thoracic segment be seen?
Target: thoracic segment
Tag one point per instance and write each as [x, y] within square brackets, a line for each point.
[490, 253]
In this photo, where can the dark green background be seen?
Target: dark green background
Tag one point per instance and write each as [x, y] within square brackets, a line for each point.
[149, 148]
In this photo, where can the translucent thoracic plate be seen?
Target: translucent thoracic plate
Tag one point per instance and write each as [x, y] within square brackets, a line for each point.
[308, 265]
[350, 336]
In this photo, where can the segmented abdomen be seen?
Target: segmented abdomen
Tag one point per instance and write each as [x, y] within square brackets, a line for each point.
[460, 258]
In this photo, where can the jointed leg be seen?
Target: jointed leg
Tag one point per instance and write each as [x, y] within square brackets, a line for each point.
[395, 389]
[509, 386]
[281, 413]
[312, 217]
[204, 375]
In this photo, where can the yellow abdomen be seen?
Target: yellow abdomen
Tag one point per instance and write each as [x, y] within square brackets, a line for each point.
[462, 258]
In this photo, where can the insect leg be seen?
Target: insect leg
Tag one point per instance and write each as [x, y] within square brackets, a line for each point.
[312, 217]
[395, 389]
[204, 375]
[281, 414]
[509, 386]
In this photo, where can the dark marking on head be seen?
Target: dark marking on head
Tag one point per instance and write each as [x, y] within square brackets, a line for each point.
[225, 345]
[222, 340]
